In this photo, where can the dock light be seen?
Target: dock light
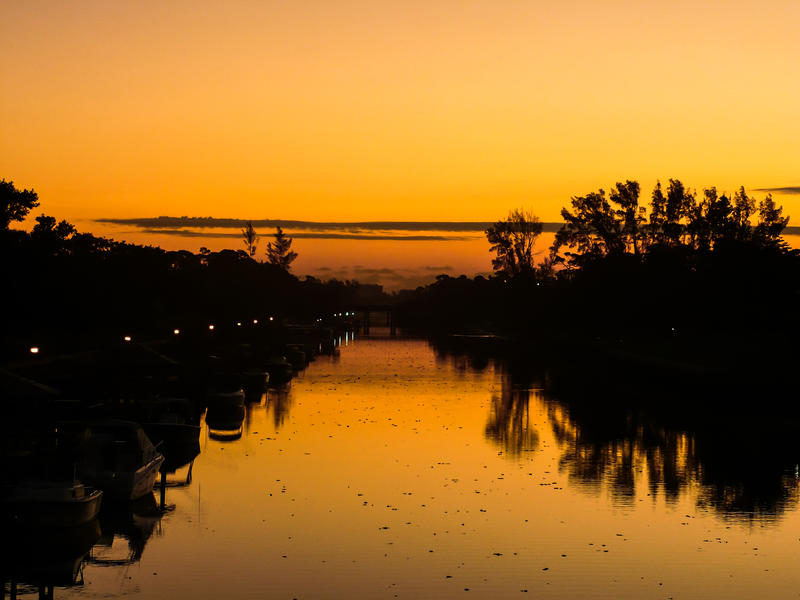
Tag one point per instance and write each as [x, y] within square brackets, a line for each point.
[238, 323]
[34, 350]
[127, 338]
[347, 314]
[176, 331]
[272, 318]
[255, 321]
[211, 328]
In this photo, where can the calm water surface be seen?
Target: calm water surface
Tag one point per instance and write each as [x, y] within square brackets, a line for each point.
[394, 471]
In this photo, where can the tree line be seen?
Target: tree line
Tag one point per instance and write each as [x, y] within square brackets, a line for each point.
[600, 225]
[703, 265]
[74, 288]
[684, 266]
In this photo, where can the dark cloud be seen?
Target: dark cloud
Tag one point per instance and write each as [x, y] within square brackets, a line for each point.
[312, 235]
[379, 271]
[379, 236]
[438, 269]
[792, 189]
[176, 223]
[189, 233]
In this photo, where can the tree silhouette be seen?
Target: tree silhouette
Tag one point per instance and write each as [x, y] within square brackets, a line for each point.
[743, 208]
[47, 228]
[591, 228]
[711, 220]
[279, 253]
[15, 204]
[51, 237]
[595, 228]
[512, 242]
[770, 221]
[680, 206]
[250, 238]
[630, 214]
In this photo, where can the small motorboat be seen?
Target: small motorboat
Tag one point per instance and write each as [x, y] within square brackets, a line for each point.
[280, 370]
[48, 504]
[225, 417]
[174, 431]
[297, 356]
[224, 391]
[228, 399]
[254, 382]
[172, 421]
[226, 409]
[120, 460]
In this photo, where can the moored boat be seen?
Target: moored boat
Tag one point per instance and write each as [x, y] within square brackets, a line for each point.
[120, 459]
[297, 357]
[225, 418]
[254, 382]
[48, 504]
[172, 423]
[224, 390]
[280, 370]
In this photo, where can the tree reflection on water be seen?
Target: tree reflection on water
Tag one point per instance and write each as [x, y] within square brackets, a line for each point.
[509, 424]
[279, 402]
[622, 454]
[638, 439]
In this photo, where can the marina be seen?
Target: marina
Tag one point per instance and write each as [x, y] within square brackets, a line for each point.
[396, 467]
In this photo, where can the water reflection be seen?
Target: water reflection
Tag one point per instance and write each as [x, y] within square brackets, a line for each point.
[465, 354]
[739, 471]
[621, 454]
[38, 561]
[395, 466]
[126, 530]
[629, 443]
[509, 424]
[752, 475]
[278, 404]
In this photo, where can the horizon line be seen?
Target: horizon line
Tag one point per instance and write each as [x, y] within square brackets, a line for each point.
[167, 222]
[354, 229]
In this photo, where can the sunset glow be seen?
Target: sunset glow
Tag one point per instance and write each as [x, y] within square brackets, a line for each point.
[390, 110]
[400, 299]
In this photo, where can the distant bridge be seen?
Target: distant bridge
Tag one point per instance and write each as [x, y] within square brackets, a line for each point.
[368, 316]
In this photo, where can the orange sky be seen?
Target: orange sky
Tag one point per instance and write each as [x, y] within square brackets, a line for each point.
[450, 110]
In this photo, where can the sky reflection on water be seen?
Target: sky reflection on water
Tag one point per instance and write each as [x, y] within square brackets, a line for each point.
[394, 470]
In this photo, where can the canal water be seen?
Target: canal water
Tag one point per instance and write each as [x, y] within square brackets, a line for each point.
[394, 469]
